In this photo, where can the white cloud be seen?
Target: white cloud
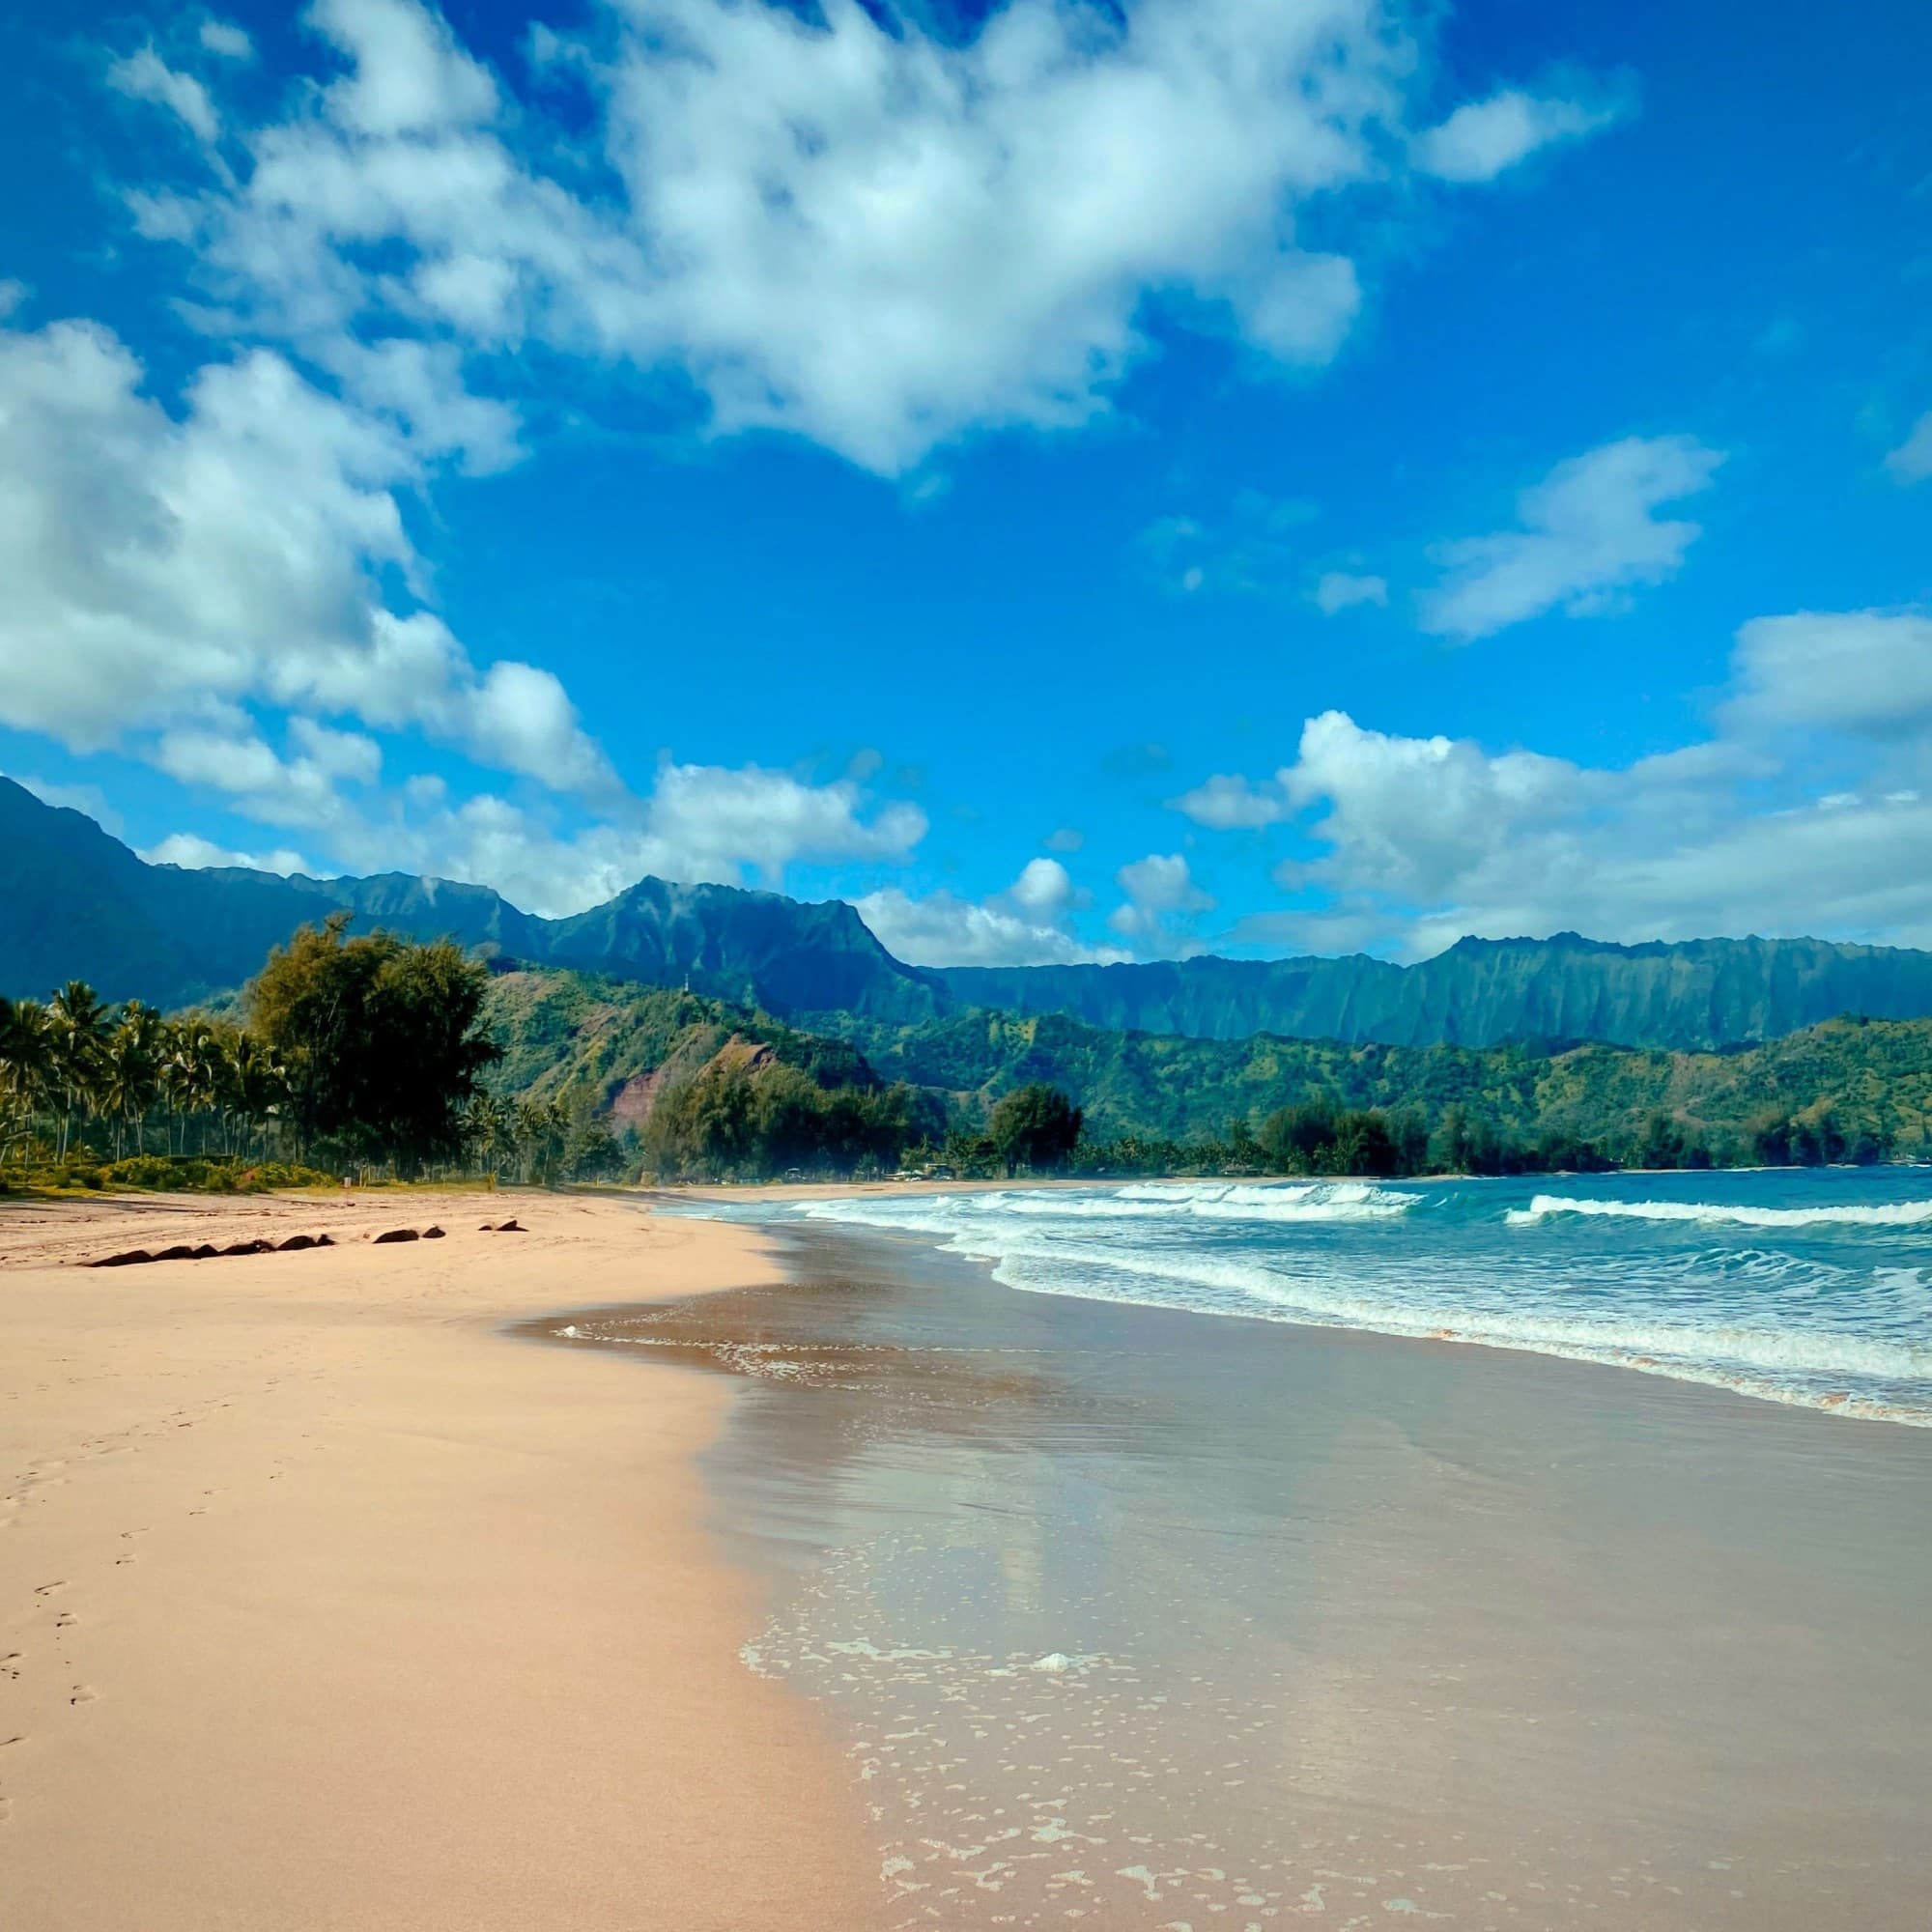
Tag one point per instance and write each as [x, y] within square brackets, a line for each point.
[1228, 801]
[1162, 883]
[342, 754]
[1867, 671]
[708, 821]
[942, 929]
[1025, 925]
[408, 74]
[1805, 812]
[1043, 888]
[194, 853]
[161, 569]
[1409, 818]
[1484, 138]
[144, 75]
[1161, 904]
[867, 234]
[1590, 533]
[226, 40]
[1912, 461]
[1341, 590]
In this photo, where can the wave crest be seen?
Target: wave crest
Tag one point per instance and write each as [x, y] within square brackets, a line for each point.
[1881, 1215]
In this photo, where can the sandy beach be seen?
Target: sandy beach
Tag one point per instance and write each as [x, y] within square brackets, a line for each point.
[326, 1603]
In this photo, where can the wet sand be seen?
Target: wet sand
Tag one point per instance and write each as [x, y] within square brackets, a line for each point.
[324, 1604]
[1140, 1619]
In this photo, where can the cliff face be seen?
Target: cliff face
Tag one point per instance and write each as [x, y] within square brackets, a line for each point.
[1700, 994]
[76, 903]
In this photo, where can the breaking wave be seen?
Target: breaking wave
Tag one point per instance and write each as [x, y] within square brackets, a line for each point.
[1847, 1214]
[1799, 1288]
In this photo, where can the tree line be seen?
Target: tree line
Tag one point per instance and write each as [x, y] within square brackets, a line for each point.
[374, 1053]
[349, 1053]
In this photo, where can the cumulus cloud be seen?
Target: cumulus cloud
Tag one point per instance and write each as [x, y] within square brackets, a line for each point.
[1025, 925]
[1341, 590]
[194, 853]
[871, 235]
[1589, 534]
[1484, 138]
[1912, 461]
[1162, 901]
[165, 569]
[1227, 801]
[1806, 811]
[173, 577]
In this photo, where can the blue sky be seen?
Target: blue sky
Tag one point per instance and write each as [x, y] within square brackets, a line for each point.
[1080, 483]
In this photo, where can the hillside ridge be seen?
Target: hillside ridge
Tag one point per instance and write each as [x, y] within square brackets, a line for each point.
[74, 901]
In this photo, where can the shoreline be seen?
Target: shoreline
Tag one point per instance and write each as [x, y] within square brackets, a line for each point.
[1649, 1358]
[322, 1606]
[1464, 1630]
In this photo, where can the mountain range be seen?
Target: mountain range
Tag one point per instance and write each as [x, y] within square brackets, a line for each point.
[75, 902]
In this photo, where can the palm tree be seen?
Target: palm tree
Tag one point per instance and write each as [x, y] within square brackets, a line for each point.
[78, 1026]
[538, 1131]
[27, 1065]
[253, 1082]
[189, 1074]
[129, 1072]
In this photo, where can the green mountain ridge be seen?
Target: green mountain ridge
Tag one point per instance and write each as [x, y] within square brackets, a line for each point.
[1846, 1088]
[74, 900]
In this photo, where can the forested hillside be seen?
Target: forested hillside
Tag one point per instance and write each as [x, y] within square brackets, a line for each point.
[76, 903]
[1847, 1088]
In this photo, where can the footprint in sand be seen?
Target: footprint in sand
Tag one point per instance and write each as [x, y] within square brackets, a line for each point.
[10, 1667]
[83, 1693]
[47, 1589]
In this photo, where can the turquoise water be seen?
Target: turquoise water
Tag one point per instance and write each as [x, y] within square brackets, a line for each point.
[1807, 1287]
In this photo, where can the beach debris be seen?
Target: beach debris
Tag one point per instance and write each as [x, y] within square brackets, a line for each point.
[398, 1234]
[207, 1251]
[1053, 1663]
[432, 1233]
[510, 1227]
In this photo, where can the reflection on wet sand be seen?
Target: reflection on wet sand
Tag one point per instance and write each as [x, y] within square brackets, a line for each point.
[1155, 1620]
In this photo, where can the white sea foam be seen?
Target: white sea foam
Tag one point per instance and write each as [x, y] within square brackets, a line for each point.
[1810, 1309]
[1848, 1215]
[1221, 1201]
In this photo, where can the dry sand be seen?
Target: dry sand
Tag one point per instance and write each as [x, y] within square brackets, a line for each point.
[323, 1604]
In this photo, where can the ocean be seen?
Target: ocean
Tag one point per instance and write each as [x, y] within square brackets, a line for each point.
[1135, 1615]
[1810, 1287]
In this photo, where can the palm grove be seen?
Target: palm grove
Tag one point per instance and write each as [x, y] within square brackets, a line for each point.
[349, 1053]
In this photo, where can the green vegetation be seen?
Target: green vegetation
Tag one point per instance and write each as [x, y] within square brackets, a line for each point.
[385, 1056]
[1035, 1126]
[356, 1052]
[370, 1046]
[692, 1087]
[1849, 1089]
